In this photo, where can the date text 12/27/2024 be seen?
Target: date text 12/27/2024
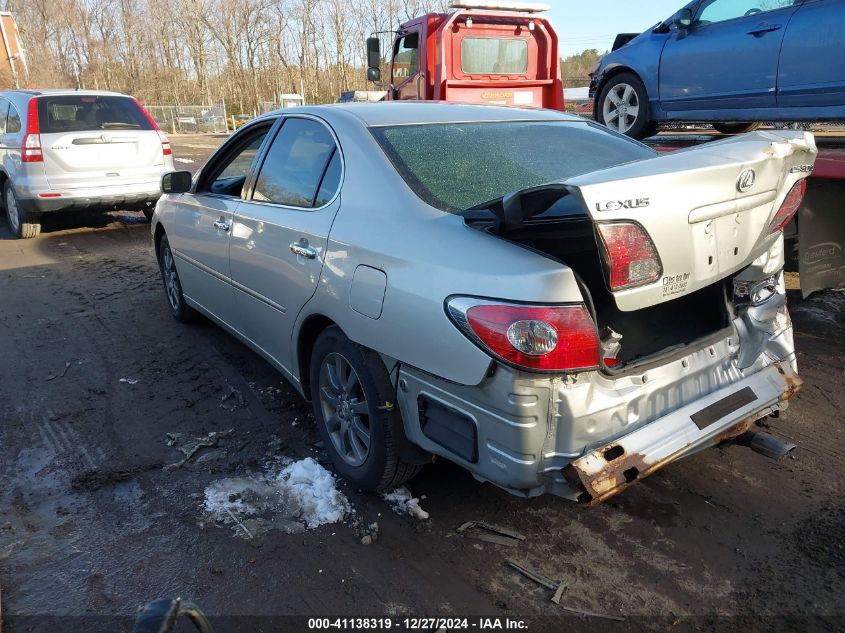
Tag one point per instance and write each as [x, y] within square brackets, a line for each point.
[417, 624]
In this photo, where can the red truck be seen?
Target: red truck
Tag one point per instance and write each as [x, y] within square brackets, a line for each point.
[501, 53]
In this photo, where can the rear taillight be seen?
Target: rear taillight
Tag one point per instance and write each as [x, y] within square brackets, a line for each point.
[631, 257]
[31, 151]
[790, 206]
[536, 338]
[165, 142]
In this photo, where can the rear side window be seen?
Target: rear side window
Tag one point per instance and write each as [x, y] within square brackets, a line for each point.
[297, 164]
[13, 121]
[4, 109]
[494, 56]
[88, 113]
[456, 166]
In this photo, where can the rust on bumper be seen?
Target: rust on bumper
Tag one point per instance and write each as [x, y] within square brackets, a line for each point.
[608, 470]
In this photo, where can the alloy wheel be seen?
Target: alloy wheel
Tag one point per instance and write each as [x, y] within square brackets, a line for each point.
[621, 107]
[345, 409]
[171, 278]
[12, 211]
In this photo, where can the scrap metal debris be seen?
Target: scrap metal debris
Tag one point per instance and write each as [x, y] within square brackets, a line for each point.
[536, 577]
[193, 445]
[61, 375]
[482, 531]
[129, 381]
[232, 400]
[558, 587]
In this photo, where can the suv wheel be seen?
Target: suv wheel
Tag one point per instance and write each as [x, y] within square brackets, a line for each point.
[354, 407]
[23, 225]
[623, 106]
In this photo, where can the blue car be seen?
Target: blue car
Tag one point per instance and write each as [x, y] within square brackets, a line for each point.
[729, 62]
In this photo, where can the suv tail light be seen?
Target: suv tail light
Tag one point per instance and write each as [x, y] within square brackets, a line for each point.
[31, 151]
[789, 207]
[165, 142]
[631, 257]
[536, 338]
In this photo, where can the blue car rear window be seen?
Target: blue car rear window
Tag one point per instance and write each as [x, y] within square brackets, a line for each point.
[456, 166]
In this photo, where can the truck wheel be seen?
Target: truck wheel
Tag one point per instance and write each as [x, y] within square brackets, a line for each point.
[356, 415]
[180, 310]
[23, 225]
[623, 106]
[735, 127]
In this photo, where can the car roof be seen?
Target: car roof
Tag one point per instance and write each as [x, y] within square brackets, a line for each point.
[426, 112]
[65, 91]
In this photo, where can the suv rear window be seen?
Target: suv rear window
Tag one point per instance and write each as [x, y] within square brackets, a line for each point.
[456, 166]
[87, 113]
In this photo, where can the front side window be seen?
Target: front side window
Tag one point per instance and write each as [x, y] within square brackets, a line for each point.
[721, 10]
[406, 57]
[227, 176]
[298, 163]
[87, 113]
[456, 166]
[494, 56]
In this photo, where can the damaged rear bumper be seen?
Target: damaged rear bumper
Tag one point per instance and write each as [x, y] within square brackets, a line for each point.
[720, 416]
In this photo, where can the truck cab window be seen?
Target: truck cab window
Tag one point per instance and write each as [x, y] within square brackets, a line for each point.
[406, 57]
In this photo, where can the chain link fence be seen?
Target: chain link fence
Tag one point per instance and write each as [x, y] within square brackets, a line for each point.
[190, 119]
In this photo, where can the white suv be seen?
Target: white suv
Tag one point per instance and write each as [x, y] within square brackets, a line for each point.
[64, 150]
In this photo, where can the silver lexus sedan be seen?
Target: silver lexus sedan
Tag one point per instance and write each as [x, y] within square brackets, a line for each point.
[553, 306]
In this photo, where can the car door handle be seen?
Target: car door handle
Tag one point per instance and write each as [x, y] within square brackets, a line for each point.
[764, 28]
[222, 224]
[300, 248]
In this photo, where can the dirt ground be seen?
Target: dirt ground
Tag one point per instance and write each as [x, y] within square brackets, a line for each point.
[94, 375]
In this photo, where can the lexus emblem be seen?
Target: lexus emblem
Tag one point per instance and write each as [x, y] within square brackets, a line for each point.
[745, 180]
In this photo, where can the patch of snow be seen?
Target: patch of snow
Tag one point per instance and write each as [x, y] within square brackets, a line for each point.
[302, 495]
[403, 502]
[313, 487]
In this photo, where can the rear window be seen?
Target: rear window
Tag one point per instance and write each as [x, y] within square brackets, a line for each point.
[456, 166]
[494, 56]
[87, 113]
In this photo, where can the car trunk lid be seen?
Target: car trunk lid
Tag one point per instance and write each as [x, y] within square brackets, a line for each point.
[707, 211]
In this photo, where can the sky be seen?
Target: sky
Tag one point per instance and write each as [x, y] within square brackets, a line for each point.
[582, 24]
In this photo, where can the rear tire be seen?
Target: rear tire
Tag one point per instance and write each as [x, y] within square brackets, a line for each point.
[179, 308]
[735, 127]
[358, 420]
[148, 212]
[23, 225]
[623, 107]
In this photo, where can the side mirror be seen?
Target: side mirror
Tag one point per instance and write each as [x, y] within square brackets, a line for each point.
[176, 182]
[373, 58]
[682, 19]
